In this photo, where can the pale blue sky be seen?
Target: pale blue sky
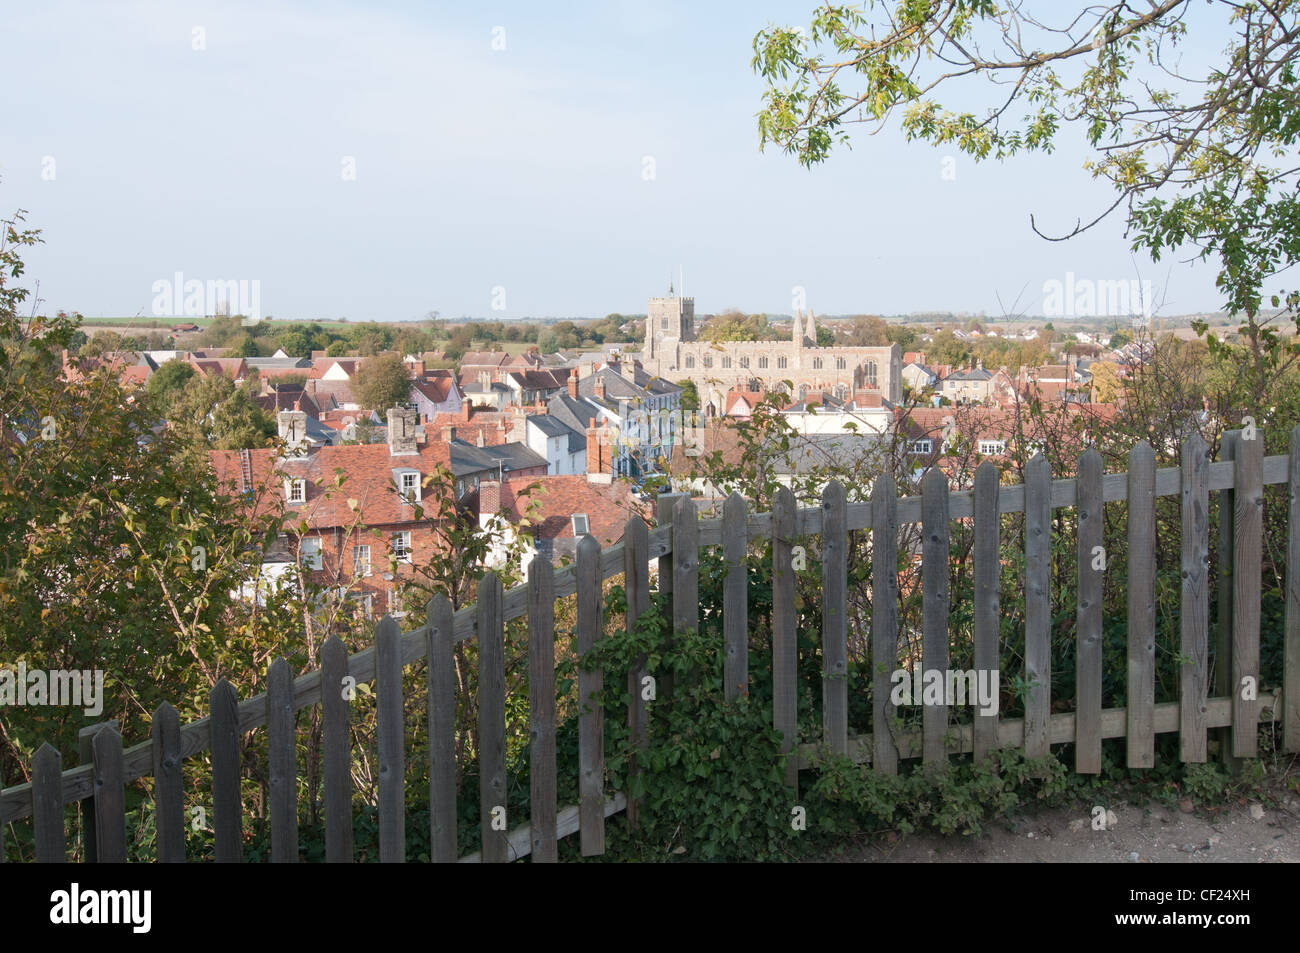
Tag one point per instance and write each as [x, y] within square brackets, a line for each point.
[478, 168]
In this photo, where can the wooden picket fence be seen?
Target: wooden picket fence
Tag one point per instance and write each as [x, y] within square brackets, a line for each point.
[675, 542]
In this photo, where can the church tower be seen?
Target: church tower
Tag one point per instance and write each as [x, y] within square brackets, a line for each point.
[668, 321]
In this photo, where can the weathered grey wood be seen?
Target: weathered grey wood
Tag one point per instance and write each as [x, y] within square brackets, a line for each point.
[835, 614]
[1141, 606]
[47, 798]
[282, 763]
[227, 804]
[1038, 606]
[735, 599]
[636, 582]
[1193, 674]
[541, 709]
[336, 742]
[1226, 553]
[987, 576]
[591, 683]
[566, 823]
[86, 752]
[1291, 649]
[934, 606]
[1247, 570]
[1087, 635]
[686, 567]
[785, 646]
[666, 506]
[110, 797]
[168, 785]
[391, 742]
[884, 620]
[492, 721]
[442, 728]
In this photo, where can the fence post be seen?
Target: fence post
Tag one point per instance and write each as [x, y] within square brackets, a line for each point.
[1087, 637]
[636, 580]
[1038, 606]
[1195, 606]
[110, 796]
[1291, 652]
[227, 803]
[591, 720]
[785, 647]
[665, 506]
[835, 610]
[541, 711]
[988, 566]
[1141, 703]
[735, 604]
[934, 609]
[47, 805]
[168, 784]
[492, 721]
[884, 620]
[389, 725]
[336, 692]
[442, 730]
[1247, 569]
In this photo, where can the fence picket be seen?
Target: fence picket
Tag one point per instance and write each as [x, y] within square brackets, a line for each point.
[835, 613]
[1087, 637]
[282, 767]
[1226, 552]
[785, 647]
[735, 599]
[988, 568]
[591, 721]
[686, 566]
[227, 804]
[1247, 567]
[336, 737]
[168, 785]
[934, 607]
[86, 751]
[1291, 651]
[1193, 686]
[636, 581]
[1141, 704]
[493, 819]
[541, 711]
[1038, 606]
[47, 805]
[884, 621]
[389, 725]
[442, 730]
[110, 797]
[665, 509]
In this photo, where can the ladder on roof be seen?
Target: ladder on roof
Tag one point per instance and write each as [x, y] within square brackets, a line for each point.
[245, 471]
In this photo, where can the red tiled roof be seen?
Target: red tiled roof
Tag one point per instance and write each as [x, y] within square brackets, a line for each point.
[608, 506]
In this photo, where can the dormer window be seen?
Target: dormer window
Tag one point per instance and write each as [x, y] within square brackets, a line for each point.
[408, 485]
[581, 525]
[295, 490]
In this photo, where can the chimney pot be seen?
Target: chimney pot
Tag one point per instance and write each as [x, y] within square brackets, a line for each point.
[448, 433]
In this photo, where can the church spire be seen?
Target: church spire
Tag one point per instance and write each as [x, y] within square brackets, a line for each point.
[810, 329]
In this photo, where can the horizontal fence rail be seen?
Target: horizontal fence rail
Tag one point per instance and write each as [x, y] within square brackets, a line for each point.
[675, 543]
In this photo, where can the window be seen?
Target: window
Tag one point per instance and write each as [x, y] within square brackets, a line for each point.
[690, 360]
[402, 546]
[408, 485]
[923, 446]
[361, 560]
[581, 525]
[869, 375]
[762, 363]
[781, 363]
[839, 363]
[368, 601]
[708, 360]
[744, 362]
[992, 447]
[726, 361]
[295, 490]
[309, 555]
[817, 363]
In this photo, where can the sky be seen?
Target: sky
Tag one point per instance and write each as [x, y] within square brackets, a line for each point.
[381, 160]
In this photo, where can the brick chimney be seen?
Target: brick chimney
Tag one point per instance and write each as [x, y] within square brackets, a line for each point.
[600, 466]
[448, 433]
[598, 388]
[417, 369]
[480, 436]
[489, 501]
[628, 367]
[573, 383]
[401, 430]
[292, 426]
[466, 409]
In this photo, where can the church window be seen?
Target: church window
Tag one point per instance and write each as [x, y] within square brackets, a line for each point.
[690, 360]
[762, 363]
[817, 363]
[744, 362]
[726, 362]
[708, 360]
[781, 363]
[870, 375]
[839, 363]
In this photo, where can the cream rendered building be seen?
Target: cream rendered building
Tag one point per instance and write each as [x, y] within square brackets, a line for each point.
[672, 352]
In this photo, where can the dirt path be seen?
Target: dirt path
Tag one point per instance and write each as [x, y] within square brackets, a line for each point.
[1249, 832]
